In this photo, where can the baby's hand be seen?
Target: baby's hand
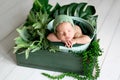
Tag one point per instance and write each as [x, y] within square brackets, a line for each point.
[70, 43]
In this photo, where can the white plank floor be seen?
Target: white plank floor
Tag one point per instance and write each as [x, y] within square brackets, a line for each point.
[14, 12]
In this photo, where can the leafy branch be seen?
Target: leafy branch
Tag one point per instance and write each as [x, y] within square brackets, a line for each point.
[32, 35]
[89, 58]
[61, 76]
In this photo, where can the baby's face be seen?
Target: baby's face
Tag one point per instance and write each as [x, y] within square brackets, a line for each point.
[65, 31]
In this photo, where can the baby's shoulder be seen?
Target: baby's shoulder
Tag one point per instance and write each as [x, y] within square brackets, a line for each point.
[78, 31]
[77, 28]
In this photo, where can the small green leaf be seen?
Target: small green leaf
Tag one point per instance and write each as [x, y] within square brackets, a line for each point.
[36, 6]
[93, 20]
[35, 49]
[63, 10]
[79, 9]
[27, 52]
[49, 8]
[71, 9]
[21, 43]
[31, 17]
[40, 33]
[16, 49]
[57, 6]
[37, 25]
[23, 32]
[90, 10]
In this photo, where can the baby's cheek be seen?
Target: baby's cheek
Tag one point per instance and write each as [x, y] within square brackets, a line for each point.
[63, 39]
[71, 36]
[60, 37]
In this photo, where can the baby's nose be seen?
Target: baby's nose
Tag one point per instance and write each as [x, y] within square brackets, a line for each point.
[66, 34]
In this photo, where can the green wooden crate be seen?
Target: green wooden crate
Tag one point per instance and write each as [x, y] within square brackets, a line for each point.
[59, 61]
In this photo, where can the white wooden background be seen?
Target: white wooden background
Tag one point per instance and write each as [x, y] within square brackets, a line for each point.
[13, 13]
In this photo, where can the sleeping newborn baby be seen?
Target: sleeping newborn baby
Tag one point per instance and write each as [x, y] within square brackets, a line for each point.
[67, 32]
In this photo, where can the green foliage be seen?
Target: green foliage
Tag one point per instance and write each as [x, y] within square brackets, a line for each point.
[90, 61]
[23, 33]
[53, 48]
[61, 76]
[90, 57]
[32, 35]
[41, 5]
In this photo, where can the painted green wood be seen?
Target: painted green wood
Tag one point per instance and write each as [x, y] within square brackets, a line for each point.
[43, 59]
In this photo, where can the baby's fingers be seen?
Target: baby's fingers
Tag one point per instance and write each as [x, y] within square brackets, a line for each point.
[69, 44]
[66, 44]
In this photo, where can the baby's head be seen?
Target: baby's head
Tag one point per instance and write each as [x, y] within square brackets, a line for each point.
[64, 27]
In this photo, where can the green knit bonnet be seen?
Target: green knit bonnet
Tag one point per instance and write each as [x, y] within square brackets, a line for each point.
[60, 19]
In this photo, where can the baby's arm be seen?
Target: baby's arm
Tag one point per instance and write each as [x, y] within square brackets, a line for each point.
[79, 37]
[83, 39]
[53, 38]
[80, 40]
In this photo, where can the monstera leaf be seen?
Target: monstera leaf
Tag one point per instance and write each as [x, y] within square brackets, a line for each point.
[75, 9]
[81, 10]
